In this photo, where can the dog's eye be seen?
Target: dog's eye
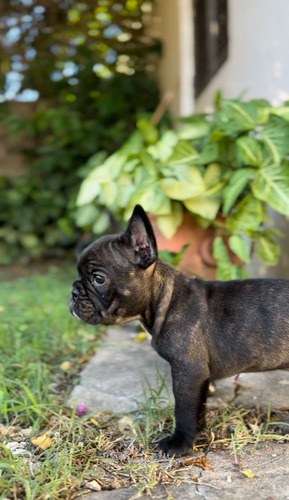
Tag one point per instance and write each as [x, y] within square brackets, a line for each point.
[98, 279]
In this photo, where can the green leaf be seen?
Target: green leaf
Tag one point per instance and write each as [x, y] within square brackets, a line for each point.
[196, 130]
[130, 165]
[179, 190]
[187, 182]
[86, 215]
[205, 206]
[149, 163]
[210, 153]
[268, 250]
[236, 186]
[228, 271]
[212, 174]
[271, 185]
[125, 190]
[236, 117]
[282, 111]
[102, 223]
[240, 247]
[247, 217]
[151, 197]
[183, 153]
[109, 193]
[174, 258]
[250, 151]
[163, 149]
[263, 109]
[148, 130]
[220, 251]
[89, 190]
[169, 223]
[276, 138]
[110, 168]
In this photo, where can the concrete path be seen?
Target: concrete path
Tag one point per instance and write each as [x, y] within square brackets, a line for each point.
[124, 372]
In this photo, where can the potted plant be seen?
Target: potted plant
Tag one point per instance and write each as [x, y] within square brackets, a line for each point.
[225, 169]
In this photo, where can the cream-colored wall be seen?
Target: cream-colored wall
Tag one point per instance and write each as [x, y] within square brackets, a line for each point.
[173, 24]
[258, 61]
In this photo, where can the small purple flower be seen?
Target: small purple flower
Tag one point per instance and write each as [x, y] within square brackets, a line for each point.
[81, 410]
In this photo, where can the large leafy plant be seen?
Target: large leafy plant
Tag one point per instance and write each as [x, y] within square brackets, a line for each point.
[227, 169]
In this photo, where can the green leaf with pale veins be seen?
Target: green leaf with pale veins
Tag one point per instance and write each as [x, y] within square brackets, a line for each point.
[247, 217]
[250, 151]
[271, 185]
[276, 138]
[268, 250]
[236, 186]
[240, 247]
[183, 153]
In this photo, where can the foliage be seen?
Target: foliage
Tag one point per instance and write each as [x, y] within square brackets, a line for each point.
[88, 66]
[226, 169]
[43, 348]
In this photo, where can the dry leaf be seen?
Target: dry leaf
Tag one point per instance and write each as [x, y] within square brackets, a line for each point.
[66, 366]
[198, 462]
[95, 422]
[141, 337]
[248, 473]
[44, 442]
[83, 359]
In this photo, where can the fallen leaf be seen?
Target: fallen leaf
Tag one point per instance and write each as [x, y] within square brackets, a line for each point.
[141, 337]
[95, 422]
[2, 309]
[198, 462]
[44, 441]
[83, 359]
[66, 366]
[248, 473]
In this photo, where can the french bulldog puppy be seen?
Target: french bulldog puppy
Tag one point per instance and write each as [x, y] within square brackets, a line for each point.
[206, 330]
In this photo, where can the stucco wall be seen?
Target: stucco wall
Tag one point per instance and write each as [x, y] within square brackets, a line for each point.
[258, 53]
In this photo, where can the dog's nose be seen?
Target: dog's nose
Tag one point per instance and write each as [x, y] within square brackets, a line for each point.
[74, 293]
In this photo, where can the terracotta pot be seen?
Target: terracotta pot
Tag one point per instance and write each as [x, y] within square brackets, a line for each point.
[198, 259]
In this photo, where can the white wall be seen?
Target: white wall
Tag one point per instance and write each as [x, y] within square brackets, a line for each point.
[258, 59]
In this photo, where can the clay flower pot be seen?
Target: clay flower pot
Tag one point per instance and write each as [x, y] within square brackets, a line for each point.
[198, 259]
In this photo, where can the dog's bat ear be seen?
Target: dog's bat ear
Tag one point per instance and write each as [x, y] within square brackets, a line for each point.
[141, 238]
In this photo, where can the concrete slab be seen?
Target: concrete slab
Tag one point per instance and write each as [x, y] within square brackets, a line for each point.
[227, 480]
[121, 374]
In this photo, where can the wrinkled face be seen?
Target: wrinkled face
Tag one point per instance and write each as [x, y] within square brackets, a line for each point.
[114, 276]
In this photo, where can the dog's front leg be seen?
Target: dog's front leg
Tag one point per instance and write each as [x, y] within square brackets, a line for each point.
[190, 386]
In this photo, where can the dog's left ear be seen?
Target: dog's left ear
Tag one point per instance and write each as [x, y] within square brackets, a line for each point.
[141, 238]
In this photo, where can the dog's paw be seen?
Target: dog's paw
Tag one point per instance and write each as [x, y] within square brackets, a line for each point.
[176, 444]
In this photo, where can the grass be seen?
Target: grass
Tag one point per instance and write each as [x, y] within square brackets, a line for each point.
[43, 350]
